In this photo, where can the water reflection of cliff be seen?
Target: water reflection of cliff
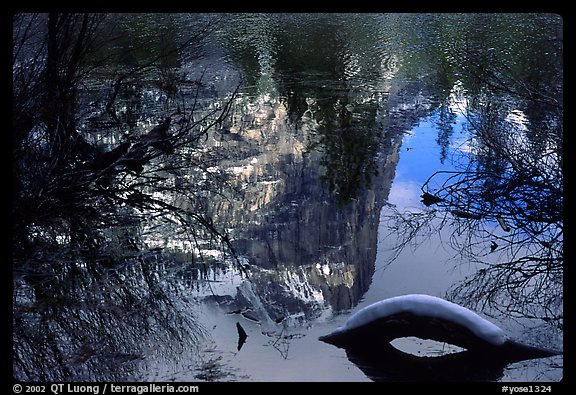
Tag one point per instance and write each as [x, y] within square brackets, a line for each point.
[309, 247]
[310, 147]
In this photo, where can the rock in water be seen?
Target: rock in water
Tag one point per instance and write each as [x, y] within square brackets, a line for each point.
[241, 335]
[429, 199]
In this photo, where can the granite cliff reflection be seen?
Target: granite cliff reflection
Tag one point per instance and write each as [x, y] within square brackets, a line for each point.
[309, 194]
[309, 148]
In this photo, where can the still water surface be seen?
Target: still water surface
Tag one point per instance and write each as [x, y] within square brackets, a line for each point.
[339, 121]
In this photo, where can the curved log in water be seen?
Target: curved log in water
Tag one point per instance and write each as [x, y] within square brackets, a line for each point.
[367, 336]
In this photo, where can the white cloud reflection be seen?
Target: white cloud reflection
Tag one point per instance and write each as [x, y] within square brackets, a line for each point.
[405, 195]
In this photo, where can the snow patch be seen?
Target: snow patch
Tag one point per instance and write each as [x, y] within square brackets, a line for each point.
[518, 119]
[269, 182]
[427, 306]
[240, 169]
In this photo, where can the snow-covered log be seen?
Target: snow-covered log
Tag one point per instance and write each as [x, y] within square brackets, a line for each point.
[428, 317]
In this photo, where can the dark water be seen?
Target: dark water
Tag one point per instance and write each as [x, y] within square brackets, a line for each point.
[338, 122]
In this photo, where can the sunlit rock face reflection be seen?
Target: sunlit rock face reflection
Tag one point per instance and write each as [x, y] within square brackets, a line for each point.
[312, 165]
[310, 246]
[308, 149]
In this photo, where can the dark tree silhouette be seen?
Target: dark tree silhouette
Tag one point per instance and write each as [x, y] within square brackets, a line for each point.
[66, 179]
[87, 290]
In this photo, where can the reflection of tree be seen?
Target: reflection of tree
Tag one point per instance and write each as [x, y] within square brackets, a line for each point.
[325, 68]
[504, 204]
[445, 123]
[348, 153]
